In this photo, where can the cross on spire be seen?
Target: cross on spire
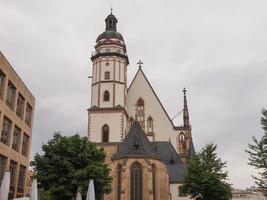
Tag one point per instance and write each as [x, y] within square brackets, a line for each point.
[140, 63]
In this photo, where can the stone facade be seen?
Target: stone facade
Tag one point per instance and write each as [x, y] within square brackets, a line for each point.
[16, 120]
[133, 127]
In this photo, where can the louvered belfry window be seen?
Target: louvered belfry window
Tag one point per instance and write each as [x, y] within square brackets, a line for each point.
[136, 181]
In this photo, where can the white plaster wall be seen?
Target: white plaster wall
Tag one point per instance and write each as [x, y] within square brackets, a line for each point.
[175, 192]
[119, 94]
[98, 120]
[94, 97]
[162, 126]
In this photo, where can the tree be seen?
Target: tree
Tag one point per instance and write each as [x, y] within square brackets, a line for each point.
[205, 178]
[258, 154]
[69, 163]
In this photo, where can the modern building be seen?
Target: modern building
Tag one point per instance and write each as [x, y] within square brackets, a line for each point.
[146, 151]
[249, 194]
[16, 120]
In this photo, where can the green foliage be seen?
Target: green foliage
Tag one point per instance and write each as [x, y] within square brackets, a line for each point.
[205, 178]
[258, 154]
[69, 162]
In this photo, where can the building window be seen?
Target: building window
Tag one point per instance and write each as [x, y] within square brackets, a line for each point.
[108, 50]
[181, 137]
[154, 183]
[105, 133]
[149, 125]
[16, 138]
[2, 83]
[106, 96]
[25, 145]
[107, 63]
[28, 117]
[21, 180]
[119, 171]
[131, 121]
[13, 171]
[3, 160]
[6, 131]
[107, 75]
[136, 181]
[20, 106]
[140, 112]
[11, 90]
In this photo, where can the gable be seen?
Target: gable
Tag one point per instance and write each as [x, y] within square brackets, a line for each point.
[140, 87]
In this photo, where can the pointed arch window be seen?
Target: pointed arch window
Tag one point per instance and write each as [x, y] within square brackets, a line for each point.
[154, 181]
[119, 174]
[105, 133]
[131, 121]
[181, 137]
[136, 181]
[140, 112]
[106, 96]
[149, 124]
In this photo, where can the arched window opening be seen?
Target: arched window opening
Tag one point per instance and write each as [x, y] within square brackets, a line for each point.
[140, 112]
[149, 125]
[105, 133]
[106, 96]
[181, 137]
[154, 181]
[107, 75]
[136, 181]
[119, 174]
[131, 121]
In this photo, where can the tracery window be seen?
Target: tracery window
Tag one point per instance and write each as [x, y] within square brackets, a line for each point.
[119, 171]
[106, 96]
[105, 133]
[136, 181]
[149, 125]
[140, 112]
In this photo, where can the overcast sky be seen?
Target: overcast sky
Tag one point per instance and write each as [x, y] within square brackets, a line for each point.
[216, 49]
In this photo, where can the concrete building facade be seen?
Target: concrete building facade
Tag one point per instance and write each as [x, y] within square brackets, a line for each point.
[16, 119]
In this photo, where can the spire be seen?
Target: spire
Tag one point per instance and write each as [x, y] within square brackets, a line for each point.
[185, 112]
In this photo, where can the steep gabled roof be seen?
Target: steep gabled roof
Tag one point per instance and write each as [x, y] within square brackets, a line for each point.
[141, 71]
[136, 144]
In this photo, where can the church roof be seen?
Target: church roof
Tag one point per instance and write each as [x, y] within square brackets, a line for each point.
[172, 160]
[111, 29]
[137, 145]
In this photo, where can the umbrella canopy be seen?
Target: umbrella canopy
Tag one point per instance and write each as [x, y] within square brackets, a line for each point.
[91, 191]
[79, 195]
[34, 195]
[4, 190]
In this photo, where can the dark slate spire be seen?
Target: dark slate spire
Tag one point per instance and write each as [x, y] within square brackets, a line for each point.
[136, 144]
[185, 111]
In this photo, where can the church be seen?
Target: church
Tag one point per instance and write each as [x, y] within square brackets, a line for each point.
[146, 152]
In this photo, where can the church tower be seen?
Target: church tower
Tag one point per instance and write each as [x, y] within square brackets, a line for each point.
[107, 117]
